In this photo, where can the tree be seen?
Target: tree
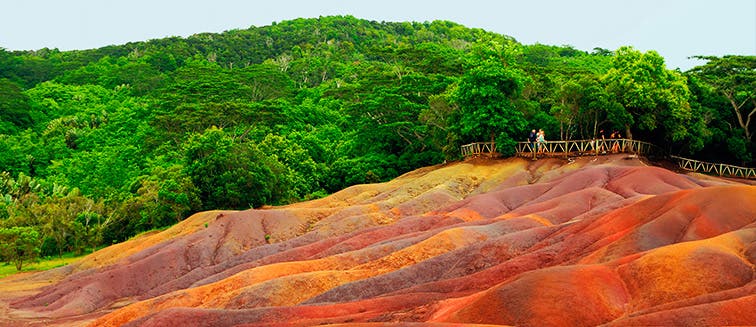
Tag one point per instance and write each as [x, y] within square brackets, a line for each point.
[14, 107]
[19, 245]
[568, 99]
[87, 231]
[234, 175]
[486, 97]
[436, 119]
[73, 220]
[303, 174]
[722, 140]
[165, 197]
[650, 95]
[734, 77]
[597, 107]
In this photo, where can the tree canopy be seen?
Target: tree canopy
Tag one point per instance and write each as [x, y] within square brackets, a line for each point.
[650, 96]
[486, 97]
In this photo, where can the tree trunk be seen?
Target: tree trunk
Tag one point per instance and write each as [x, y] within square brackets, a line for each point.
[743, 124]
[60, 248]
[628, 133]
[595, 124]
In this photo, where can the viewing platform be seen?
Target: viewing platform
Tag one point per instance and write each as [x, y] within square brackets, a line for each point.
[576, 148]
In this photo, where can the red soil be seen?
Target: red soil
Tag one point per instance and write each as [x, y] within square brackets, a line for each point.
[594, 241]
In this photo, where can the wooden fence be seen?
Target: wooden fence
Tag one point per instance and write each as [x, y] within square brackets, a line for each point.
[587, 147]
[715, 168]
[599, 147]
[478, 148]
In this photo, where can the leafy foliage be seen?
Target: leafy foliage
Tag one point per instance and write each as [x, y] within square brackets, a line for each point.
[650, 96]
[486, 97]
[19, 245]
[732, 79]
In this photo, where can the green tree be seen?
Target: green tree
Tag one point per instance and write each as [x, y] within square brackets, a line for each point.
[303, 174]
[234, 175]
[14, 107]
[19, 245]
[87, 231]
[165, 196]
[567, 105]
[72, 220]
[734, 77]
[486, 97]
[650, 95]
[437, 121]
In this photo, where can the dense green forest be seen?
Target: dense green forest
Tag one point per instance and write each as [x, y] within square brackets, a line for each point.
[99, 145]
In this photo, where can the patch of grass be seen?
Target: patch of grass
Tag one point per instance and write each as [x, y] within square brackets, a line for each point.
[150, 232]
[7, 269]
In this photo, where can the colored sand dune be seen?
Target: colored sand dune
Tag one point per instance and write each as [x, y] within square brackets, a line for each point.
[593, 241]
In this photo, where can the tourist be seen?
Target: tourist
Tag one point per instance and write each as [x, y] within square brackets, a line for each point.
[532, 139]
[541, 140]
[601, 142]
[615, 145]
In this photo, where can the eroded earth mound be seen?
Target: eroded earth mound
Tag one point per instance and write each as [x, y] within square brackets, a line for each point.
[590, 241]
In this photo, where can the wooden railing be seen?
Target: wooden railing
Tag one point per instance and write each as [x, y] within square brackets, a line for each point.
[587, 147]
[608, 146]
[478, 148]
[715, 168]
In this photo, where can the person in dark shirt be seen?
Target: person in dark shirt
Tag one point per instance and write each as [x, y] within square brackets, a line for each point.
[532, 139]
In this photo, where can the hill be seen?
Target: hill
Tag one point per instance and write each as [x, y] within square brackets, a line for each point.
[99, 145]
[595, 240]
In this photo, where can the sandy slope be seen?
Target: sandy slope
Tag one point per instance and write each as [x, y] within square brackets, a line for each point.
[606, 240]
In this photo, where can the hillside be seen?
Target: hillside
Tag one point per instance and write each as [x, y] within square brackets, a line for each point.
[595, 240]
[99, 145]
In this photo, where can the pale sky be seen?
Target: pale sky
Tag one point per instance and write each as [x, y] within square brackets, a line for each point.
[676, 29]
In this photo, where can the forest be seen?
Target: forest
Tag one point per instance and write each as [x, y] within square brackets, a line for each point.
[99, 145]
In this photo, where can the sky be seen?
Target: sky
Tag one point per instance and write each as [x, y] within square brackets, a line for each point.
[676, 29]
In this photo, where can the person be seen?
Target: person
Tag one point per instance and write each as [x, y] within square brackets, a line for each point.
[615, 145]
[532, 139]
[600, 142]
[541, 139]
